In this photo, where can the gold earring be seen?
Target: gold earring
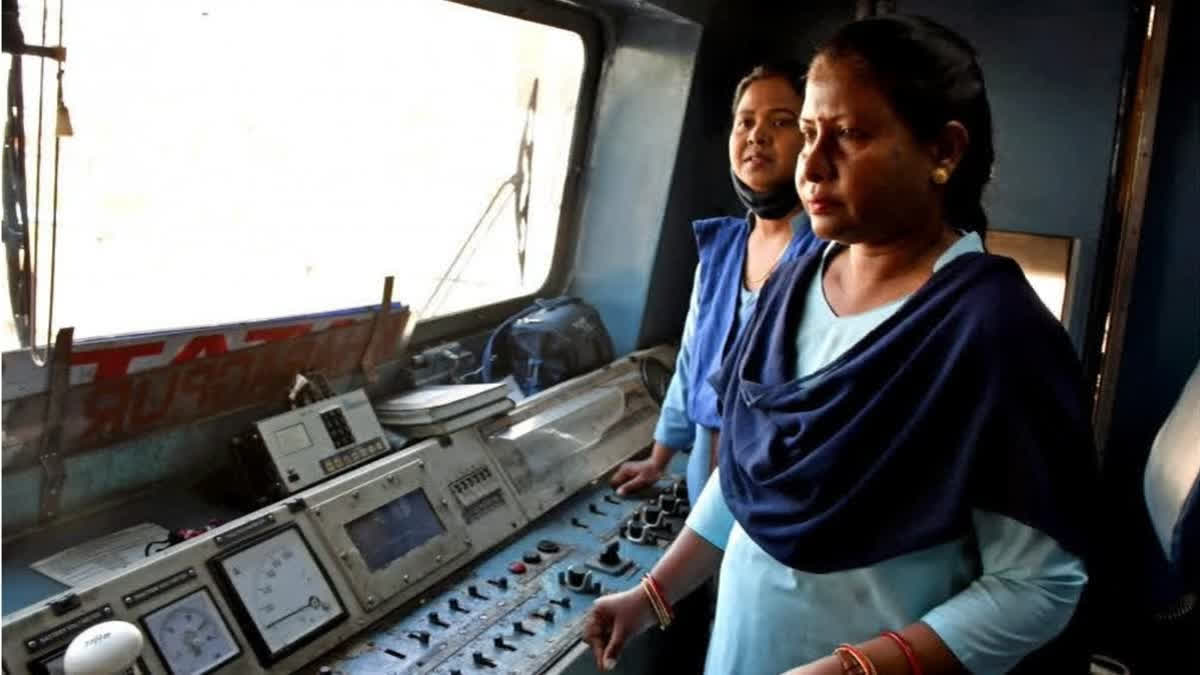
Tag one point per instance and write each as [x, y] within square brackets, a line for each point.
[940, 175]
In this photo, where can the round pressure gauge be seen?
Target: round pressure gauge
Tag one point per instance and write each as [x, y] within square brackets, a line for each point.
[190, 635]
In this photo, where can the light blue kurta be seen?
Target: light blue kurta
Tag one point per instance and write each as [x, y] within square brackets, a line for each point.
[675, 428]
[991, 598]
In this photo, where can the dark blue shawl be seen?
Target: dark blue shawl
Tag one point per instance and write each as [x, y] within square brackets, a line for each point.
[968, 397]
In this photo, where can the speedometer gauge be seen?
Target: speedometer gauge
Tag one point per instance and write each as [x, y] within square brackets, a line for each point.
[283, 593]
[190, 635]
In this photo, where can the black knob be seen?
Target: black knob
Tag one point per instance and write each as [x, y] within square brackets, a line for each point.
[680, 489]
[481, 660]
[455, 671]
[574, 577]
[548, 546]
[610, 556]
[532, 558]
[651, 515]
[501, 644]
[565, 602]
[634, 529]
[668, 503]
[437, 621]
[520, 628]
[420, 636]
[455, 607]
[499, 582]
[474, 593]
[594, 509]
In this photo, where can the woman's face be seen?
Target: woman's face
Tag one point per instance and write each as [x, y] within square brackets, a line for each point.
[765, 139]
[862, 175]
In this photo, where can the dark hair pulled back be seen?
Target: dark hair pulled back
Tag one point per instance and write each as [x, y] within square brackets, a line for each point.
[931, 76]
[790, 70]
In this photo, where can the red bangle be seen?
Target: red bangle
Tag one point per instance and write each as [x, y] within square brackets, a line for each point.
[914, 666]
[662, 597]
[863, 661]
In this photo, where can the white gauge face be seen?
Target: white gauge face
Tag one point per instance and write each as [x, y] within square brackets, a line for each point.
[283, 590]
[190, 635]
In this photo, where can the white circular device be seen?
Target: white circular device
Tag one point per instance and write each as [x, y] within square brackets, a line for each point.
[104, 649]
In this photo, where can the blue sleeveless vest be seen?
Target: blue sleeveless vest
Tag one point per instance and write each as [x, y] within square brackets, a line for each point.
[721, 244]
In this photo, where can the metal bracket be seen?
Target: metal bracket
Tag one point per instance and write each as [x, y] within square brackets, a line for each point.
[54, 472]
[367, 362]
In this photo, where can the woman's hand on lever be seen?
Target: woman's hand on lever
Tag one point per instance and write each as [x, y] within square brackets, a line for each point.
[633, 476]
[613, 620]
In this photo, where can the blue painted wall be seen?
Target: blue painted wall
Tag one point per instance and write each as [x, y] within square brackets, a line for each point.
[1053, 71]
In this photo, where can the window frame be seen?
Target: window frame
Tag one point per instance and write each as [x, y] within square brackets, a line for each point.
[589, 27]
[590, 30]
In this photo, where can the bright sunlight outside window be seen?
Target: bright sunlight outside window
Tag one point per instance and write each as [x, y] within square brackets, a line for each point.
[238, 160]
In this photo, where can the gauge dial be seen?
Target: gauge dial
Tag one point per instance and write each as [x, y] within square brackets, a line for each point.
[283, 589]
[190, 635]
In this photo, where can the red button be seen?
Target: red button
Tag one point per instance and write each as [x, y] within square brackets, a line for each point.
[517, 568]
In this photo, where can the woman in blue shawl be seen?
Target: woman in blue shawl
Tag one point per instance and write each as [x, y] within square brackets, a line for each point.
[736, 257]
[905, 440]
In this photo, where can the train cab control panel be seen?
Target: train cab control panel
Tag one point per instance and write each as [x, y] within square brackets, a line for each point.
[479, 550]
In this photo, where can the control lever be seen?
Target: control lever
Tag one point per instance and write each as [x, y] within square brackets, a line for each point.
[481, 660]
[499, 582]
[546, 614]
[575, 521]
[565, 602]
[474, 593]
[455, 607]
[501, 644]
[520, 628]
[610, 555]
[594, 509]
[612, 500]
[420, 636]
[437, 620]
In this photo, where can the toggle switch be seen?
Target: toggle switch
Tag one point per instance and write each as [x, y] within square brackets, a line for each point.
[455, 607]
[499, 582]
[594, 509]
[565, 602]
[612, 500]
[575, 521]
[420, 636]
[481, 660]
[501, 644]
[545, 614]
[474, 593]
[437, 620]
[519, 627]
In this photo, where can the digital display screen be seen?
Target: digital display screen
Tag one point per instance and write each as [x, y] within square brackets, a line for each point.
[293, 438]
[392, 530]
